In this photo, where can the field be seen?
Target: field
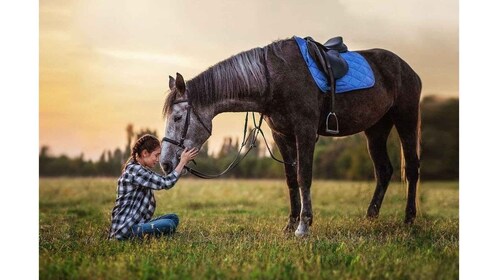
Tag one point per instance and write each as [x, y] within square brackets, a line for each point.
[232, 229]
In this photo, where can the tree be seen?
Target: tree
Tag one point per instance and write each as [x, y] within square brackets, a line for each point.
[440, 138]
[129, 137]
[344, 158]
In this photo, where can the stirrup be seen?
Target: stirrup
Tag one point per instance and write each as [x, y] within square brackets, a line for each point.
[331, 131]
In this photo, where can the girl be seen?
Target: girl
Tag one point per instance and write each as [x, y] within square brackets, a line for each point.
[135, 201]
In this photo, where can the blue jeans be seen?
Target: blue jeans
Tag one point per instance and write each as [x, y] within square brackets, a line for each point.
[165, 224]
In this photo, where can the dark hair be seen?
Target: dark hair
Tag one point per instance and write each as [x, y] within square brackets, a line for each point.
[146, 142]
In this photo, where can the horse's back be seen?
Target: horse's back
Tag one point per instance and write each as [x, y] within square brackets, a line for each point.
[395, 82]
[297, 99]
[391, 68]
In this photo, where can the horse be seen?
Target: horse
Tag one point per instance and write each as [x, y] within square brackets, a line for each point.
[274, 80]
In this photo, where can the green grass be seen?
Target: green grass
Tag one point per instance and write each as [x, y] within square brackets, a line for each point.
[232, 229]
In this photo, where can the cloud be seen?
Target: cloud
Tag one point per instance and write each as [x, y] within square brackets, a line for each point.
[122, 51]
[174, 59]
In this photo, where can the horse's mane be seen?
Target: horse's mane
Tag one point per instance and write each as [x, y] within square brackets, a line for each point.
[239, 76]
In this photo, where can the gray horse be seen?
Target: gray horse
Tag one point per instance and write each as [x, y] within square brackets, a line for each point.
[275, 81]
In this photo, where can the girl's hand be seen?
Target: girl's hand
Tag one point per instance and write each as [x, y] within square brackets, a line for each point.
[188, 155]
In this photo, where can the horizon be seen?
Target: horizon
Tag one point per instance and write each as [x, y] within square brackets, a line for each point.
[102, 68]
[214, 152]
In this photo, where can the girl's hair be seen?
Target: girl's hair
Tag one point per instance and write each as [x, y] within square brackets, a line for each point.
[147, 142]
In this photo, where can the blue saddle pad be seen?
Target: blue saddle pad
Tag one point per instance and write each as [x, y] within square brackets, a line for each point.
[359, 75]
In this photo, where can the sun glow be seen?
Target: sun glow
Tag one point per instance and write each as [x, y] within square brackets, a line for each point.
[102, 68]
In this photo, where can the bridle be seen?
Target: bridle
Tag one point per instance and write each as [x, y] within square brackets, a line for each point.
[240, 156]
[190, 108]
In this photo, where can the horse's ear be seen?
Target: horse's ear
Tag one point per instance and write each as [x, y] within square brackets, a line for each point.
[171, 83]
[180, 83]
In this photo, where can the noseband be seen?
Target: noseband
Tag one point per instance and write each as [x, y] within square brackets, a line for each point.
[186, 125]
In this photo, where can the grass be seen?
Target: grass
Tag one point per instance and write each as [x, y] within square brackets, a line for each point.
[232, 229]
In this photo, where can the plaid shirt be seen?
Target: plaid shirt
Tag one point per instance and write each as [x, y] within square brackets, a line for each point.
[135, 202]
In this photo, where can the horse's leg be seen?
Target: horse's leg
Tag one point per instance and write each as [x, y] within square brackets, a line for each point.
[377, 137]
[288, 150]
[305, 148]
[408, 124]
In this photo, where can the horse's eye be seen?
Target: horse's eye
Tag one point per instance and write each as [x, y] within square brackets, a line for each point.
[177, 118]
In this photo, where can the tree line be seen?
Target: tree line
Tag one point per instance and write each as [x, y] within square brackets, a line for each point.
[343, 158]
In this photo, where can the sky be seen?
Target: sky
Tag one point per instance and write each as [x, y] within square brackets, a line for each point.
[105, 64]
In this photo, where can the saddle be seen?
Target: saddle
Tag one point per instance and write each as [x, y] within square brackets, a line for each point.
[335, 68]
[328, 56]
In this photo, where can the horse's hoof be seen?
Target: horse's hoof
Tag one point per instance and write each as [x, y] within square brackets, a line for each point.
[372, 214]
[372, 217]
[410, 217]
[301, 231]
[409, 220]
[292, 224]
[289, 228]
[301, 234]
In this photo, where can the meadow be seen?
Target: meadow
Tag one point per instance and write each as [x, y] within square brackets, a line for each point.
[232, 229]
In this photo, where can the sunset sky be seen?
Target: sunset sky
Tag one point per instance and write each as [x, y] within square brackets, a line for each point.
[104, 64]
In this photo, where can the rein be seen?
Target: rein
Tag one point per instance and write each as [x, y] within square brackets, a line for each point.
[239, 157]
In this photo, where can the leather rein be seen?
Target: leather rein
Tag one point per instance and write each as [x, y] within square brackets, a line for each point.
[250, 140]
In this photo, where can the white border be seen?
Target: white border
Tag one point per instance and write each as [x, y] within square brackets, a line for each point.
[19, 53]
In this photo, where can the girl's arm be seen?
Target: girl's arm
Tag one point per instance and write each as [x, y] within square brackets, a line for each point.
[150, 179]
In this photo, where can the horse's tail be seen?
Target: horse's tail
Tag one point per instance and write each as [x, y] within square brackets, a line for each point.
[419, 142]
[402, 155]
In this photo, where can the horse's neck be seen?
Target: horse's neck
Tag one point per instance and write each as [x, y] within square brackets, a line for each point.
[238, 84]
[233, 105]
[230, 105]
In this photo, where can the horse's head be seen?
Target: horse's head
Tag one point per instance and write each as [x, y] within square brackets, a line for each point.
[186, 126]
